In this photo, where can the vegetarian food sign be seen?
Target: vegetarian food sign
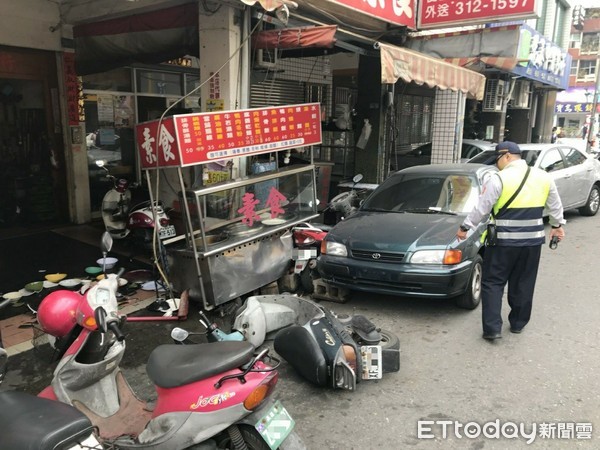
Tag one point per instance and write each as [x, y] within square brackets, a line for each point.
[190, 139]
[444, 13]
[397, 12]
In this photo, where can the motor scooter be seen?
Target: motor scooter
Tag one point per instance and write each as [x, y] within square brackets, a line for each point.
[307, 240]
[217, 394]
[346, 203]
[122, 220]
[57, 425]
[326, 348]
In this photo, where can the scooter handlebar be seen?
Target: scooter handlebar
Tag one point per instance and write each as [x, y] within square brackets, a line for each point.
[114, 327]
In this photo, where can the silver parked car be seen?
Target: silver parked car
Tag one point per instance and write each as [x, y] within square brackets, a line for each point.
[576, 174]
[422, 154]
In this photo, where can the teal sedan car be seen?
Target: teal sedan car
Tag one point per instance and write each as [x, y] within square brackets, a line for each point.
[402, 240]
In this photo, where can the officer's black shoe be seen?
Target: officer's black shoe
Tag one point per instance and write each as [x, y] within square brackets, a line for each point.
[491, 336]
[515, 330]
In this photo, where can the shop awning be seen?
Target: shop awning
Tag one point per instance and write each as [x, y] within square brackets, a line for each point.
[479, 63]
[294, 38]
[410, 66]
[515, 49]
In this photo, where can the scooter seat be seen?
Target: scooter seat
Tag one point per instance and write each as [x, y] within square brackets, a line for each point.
[34, 423]
[173, 365]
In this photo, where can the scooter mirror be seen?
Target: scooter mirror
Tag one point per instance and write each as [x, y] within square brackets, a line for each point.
[179, 334]
[357, 177]
[100, 316]
[107, 242]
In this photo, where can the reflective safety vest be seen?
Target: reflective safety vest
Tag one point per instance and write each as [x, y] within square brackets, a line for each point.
[521, 223]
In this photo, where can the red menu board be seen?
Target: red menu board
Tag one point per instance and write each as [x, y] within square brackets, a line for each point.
[189, 139]
[444, 13]
[71, 88]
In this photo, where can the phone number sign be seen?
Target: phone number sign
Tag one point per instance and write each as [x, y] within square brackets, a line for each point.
[442, 13]
[190, 139]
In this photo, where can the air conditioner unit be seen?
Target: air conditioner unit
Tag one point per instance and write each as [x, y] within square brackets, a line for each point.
[266, 58]
[521, 95]
[494, 94]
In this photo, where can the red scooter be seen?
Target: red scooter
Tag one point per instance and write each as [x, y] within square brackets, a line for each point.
[307, 247]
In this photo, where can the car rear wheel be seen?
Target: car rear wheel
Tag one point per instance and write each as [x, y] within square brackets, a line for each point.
[472, 296]
[591, 207]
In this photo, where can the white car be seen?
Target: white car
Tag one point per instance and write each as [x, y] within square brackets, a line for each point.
[576, 174]
[422, 154]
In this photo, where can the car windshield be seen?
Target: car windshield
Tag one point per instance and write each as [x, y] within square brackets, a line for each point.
[489, 157]
[425, 193]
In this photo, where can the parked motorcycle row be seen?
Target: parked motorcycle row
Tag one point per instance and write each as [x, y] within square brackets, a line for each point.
[216, 394]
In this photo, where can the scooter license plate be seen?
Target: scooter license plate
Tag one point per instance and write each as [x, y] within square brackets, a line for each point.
[166, 232]
[372, 358]
[275, 425]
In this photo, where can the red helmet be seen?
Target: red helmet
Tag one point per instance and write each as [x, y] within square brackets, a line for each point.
[56, 313]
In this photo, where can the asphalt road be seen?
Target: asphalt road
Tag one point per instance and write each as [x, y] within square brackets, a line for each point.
[546, 375]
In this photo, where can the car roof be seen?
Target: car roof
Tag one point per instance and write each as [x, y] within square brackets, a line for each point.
[479, 142]
[447, 169]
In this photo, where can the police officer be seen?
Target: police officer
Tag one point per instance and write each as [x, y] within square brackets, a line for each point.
[520, 236]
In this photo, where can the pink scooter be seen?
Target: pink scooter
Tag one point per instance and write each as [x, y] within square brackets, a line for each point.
[217, 394]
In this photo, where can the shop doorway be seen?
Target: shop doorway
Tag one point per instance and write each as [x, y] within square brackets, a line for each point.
[28, 173]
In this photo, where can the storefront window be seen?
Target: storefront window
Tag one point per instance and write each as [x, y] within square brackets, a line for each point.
[159, 83]
[110, 119]
[192, 81]
[113, 80]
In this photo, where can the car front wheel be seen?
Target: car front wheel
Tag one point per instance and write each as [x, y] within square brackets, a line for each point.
[593, 202]
[472, 296]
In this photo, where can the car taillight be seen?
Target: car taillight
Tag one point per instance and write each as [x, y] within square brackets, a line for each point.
[261, 392]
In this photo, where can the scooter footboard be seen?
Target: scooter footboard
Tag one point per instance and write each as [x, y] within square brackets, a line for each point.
[40, 423]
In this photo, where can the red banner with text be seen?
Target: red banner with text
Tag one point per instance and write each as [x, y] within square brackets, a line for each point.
[189, 139]
[444, 13]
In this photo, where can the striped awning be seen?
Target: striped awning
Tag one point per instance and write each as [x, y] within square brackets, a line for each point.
[410, 66]
[499, 62]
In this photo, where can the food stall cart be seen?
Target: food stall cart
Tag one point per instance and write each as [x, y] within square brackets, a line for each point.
[237, 233]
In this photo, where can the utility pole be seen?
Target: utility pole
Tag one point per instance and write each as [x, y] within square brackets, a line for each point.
[593, 120]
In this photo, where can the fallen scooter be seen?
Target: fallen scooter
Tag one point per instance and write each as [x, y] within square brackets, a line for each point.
[326, 349]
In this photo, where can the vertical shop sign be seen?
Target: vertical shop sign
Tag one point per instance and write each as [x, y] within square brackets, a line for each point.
[444, 13]
[189, 139]
[71, 88]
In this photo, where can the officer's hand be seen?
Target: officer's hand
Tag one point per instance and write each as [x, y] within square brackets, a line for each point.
[461, 235]
[558, 232]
